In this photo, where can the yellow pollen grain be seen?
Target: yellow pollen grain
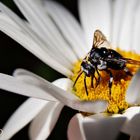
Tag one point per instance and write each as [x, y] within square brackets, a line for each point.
[116, 100]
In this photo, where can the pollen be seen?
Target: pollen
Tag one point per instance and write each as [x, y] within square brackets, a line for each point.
[117, 102]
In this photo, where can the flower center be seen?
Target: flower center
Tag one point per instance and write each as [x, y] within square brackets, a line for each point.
[121, 80]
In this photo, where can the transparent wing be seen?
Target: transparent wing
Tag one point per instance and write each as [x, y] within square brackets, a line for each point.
[126, 60]
[99, 40]
[131, 61]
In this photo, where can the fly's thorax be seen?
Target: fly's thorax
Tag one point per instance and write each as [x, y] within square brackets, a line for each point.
[102, 65]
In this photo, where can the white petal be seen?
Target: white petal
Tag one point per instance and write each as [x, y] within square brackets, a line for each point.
[75, 129]
[136, 31]
[69, 27]
[28, 77]
[46, 46]
[102, 129]
[118, 10]
[89, 128]
[22, 116]
[33, 79]
[132, 125]
[131, 112]
[43, 124]
[45, 121]
[67, 98]
[74, 102]
[127, 19]
[25, 40]
[132, 94]
[42, 24]
[46, 88]
[95, 14]
[5, 18]
[98, 116]
[12, 84]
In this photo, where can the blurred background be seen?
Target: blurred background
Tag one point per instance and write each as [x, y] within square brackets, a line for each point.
[12, 56]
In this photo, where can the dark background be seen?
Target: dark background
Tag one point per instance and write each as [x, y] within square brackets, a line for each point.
[12, 56]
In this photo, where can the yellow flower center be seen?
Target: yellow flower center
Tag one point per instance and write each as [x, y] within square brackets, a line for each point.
[121, 81]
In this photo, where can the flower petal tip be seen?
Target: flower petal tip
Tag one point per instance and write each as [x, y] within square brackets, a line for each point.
[93, 106]
[98, 129]
[75, 129]
[132, 126]
[132, 94]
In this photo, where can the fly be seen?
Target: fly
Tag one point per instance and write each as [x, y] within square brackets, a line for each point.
[102, 58]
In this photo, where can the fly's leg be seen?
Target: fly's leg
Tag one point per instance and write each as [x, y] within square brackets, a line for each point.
[92, 79]
[85, 83]
[110, 80]
[99, 78]
[77, 78]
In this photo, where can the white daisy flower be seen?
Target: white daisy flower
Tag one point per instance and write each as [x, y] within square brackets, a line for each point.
[53, 35]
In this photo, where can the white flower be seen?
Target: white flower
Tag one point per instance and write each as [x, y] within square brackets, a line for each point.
[55, 37]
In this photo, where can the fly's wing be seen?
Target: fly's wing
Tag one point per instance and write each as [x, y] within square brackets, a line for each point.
[125, 60]
[99, 40]
[131, 61]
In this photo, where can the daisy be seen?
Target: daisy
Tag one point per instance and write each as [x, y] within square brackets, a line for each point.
[54, 36]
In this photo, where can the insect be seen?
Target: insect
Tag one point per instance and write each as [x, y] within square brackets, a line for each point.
[102, 58]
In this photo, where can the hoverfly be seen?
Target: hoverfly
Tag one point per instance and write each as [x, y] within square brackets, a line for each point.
[102, 58]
